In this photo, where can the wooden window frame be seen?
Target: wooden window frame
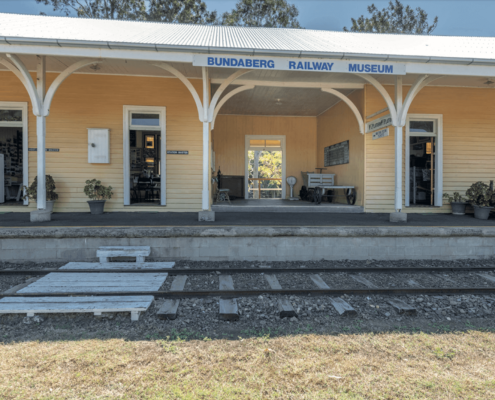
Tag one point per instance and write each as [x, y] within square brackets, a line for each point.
[128, 110]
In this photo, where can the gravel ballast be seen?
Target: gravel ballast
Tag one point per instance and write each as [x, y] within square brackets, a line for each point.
[260, 314]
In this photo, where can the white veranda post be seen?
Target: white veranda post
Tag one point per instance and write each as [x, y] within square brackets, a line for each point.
[398, 145]
[41, 135]
[206, 143]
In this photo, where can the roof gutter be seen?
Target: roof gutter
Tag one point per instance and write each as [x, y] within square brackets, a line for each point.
[245, 52]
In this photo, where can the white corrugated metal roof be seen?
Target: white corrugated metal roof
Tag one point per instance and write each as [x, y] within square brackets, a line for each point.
[65, 31]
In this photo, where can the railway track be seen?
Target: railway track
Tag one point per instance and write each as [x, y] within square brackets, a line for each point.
[334, 283]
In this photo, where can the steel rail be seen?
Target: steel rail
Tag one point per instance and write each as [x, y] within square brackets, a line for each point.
[248, 293]
[232, 271]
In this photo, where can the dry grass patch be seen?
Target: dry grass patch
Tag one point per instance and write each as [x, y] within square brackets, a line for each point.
[366, 366]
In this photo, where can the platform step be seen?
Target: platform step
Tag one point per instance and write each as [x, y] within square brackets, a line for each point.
[140, 252]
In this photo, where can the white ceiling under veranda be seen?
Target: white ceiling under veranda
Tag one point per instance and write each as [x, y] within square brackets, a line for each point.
[272, 95]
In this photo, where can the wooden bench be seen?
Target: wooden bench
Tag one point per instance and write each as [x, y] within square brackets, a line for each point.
[321, 183]
[95, 305]
[140, 252]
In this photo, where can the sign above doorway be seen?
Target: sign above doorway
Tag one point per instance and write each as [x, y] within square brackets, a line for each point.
[299, 64]
[379, 123]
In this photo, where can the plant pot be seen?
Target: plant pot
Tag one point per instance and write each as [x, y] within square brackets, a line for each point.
[49, 205]
[482, 212]
[96, 206]
[458, 208]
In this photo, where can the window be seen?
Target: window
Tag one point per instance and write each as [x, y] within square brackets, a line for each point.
[142, 119]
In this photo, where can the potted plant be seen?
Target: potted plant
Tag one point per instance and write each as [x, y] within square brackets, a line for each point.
[98, 194]
[51, 196]
[480, 196]
[457, 202]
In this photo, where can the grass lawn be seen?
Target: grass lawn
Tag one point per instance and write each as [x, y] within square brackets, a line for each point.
[347, 366]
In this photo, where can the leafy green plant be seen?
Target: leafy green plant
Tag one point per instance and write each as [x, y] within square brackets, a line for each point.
[480, 194]
[96, 191]
[456, 197]
[32, 191]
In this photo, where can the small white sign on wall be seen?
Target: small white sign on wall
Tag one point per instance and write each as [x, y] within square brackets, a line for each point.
[379, 123]
[380, 134]
[98, 146]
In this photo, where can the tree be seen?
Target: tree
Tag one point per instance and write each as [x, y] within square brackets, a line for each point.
[263, 13]
[396, 18]
[184, 11]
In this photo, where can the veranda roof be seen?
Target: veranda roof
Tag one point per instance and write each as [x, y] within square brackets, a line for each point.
[115, 34]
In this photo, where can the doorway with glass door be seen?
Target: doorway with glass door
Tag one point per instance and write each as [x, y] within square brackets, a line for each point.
[145, 158]
[265, 167]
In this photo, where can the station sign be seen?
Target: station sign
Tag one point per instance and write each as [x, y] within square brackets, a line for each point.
[379, 123]
[380, 134]
[299, 64]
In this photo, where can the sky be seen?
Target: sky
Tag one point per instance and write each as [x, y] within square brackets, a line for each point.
[456, 17]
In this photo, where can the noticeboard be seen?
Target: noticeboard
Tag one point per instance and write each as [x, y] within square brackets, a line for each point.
[337, 154]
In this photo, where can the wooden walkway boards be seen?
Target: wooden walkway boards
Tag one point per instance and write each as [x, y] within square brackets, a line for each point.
[90, 282]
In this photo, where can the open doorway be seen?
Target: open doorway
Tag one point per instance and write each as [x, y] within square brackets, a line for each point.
[265, 167]
[423, 160]
[145, 165]
[13, 153]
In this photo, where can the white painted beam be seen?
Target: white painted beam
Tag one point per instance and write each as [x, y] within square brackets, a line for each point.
[302, 85]
[398, 145]
[206, 142]
[224, 100]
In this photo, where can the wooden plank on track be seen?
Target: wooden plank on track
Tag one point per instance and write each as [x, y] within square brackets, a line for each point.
[488, 277]
[364, 281]
[413, 283]
[342, 307]
[318, 281]
[402, 307]
[228, 307]
[285, 308]
[169, 308]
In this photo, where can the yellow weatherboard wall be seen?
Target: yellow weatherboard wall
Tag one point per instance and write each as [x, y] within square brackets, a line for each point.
[230, 132]
[336, 125]
[96, 101]
[468, 143]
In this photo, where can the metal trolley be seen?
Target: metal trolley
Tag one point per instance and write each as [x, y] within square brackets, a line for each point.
[318, 186]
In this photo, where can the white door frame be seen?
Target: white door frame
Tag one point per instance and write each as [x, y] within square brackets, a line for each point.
[23, 106]
[246, 159]
[128, 110]
[438, 119]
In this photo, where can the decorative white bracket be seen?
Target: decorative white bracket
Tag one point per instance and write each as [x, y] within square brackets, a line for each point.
[225, 99]
[378, 86]
[352, 106]
[41, 106]
[420, 83]
[221, 89]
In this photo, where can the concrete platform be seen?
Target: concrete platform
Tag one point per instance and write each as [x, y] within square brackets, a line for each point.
[284, 206]
[248, 236]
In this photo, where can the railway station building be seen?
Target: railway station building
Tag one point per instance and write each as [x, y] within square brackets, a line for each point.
[156, 110]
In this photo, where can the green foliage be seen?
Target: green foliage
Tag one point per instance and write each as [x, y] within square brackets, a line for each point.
[455, 198]
[263, 13]
[32, 191]
[481, 195]
[396, 18]
[183, 11]
[96, 191]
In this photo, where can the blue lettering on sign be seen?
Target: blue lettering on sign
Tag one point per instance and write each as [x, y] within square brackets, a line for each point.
[373, 68]
[234, 62]
[271, 64]
[292, 65]
[211, 61]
